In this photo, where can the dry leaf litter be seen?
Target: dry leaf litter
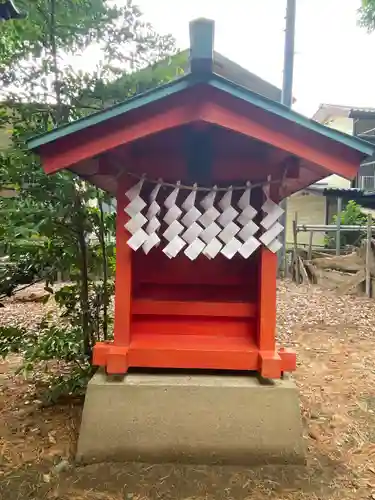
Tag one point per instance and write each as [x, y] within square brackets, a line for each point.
[334, 337]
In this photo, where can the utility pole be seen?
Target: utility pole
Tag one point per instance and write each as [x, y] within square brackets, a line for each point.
[287, 92]
[287, 99]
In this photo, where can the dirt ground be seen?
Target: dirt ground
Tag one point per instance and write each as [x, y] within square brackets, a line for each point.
[335, 341]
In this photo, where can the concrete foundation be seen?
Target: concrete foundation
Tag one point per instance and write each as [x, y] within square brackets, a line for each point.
[208, 419]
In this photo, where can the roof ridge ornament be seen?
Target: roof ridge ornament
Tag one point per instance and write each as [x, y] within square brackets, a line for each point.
[202, 36]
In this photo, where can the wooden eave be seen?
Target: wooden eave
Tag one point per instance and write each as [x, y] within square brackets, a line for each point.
[189, 81]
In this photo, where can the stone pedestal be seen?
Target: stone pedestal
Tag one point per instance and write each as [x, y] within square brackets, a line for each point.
[212, 419]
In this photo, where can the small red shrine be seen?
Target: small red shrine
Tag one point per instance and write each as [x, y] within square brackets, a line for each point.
[198, 167]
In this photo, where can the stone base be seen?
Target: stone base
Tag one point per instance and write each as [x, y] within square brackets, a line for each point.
[211, 419]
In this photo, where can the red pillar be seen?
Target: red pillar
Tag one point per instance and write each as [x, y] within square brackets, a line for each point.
[114, 356]
[123, 285]
[269, 359]
[117, 357]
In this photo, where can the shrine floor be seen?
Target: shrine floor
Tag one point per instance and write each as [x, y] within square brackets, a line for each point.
[335, 341]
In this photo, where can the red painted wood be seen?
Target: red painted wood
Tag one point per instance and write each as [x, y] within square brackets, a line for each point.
[267, 299]
[196, 292]
[276, 123]
[117, 360]
[270, 364]
[216, 314]
[172, 166]
[195, 352]
[100, 353]
[243, 169]
[188, 325]
[180, 351]
[193, 359]
[187, 342]
[217, 114]
[193, 107]
[235, 157]
[58, 158]
[204, 314]
[123, 285]
[166, 164]
[191, 308]
[158, 268]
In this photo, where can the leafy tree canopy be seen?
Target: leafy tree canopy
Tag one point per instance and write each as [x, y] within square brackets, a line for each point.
[41, 56]
[367, 14]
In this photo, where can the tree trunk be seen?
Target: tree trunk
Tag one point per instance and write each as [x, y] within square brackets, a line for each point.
[87, 333]
[84, 292]
[105, 267]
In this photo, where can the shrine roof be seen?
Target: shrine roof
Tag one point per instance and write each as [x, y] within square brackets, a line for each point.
[191, 80]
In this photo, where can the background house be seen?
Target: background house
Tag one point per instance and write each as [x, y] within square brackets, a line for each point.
[364, 127]
[312, 205]
[356, 121]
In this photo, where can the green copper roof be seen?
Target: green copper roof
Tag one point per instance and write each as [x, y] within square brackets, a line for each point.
[201, 72]
[111, 112]
[215, 81]
[279, 109]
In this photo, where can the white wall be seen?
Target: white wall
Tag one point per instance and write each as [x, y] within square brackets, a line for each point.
[310, 209]
[343, 124]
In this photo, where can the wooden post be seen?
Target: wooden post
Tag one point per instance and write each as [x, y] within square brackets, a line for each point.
[123, 271]
[295, 263]
[270, 361]
[286, 268]
[368, 256]
[309, 253]
[338, 225]
[114, 356]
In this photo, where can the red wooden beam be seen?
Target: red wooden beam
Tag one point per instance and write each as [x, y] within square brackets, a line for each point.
[189, 352]
[215, 113]
[68, 153]
[270, 361]
[193, 308]
[267, 267]
[213, 327]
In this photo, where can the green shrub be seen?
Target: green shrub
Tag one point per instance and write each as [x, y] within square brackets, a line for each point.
[50, 344]
[15, 340]
[351, 216]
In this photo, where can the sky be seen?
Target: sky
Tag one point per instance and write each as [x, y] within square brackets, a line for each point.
[333, 55]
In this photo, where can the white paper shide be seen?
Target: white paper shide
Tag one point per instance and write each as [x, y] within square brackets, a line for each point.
[214, 225]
